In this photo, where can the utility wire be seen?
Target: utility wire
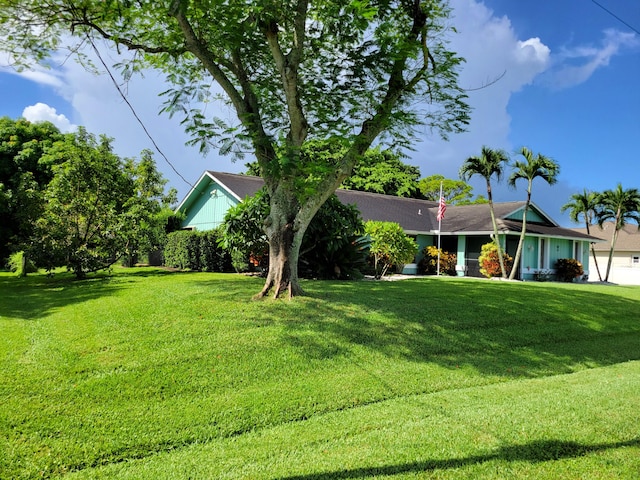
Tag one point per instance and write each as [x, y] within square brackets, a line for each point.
[115, 83]
[616, 17]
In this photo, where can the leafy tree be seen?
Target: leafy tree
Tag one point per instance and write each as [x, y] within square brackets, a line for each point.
[389, 246]
[455, 192]
[23, 177]
[619, 206]
[489, 163]
[533, 166]
[382, 171]
[148, 210]
[586, 205]
[378, 171]
[96, 209]
[354, 72]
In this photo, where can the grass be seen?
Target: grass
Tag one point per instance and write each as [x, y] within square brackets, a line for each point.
[145, 374]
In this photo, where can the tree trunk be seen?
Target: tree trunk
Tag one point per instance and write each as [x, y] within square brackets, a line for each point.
[285, 227]
[614, 238]
[593, 252]
[496, 238]
[523, 232]
[284, 251]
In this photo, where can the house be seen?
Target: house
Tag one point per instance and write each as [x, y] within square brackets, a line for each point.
[625, 264]
[463, 230]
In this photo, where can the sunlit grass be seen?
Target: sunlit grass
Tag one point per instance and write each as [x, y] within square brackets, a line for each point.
[165, 368]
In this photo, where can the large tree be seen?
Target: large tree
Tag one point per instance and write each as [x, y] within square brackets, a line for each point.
[455, 192]
[98, 207]
[490, 163]
[353, 71]
[532, 167]
[23, 177]
[618, 206]
[586, 205]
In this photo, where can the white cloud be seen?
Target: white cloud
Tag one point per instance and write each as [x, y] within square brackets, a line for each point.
[41, 112]
[498, 64]
[573, 66]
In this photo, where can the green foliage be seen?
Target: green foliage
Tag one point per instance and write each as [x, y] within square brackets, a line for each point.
[568, 269]
[377, 171]
[198, 251]
[429, 262]
[389, 247]
[242, 232]
[490, 263]
[24, 175]
[455, 192]
[20, 265]
[382, 171]
[97, 207]
[331, 247]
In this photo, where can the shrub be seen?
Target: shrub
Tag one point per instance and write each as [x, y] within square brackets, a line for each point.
[390, 247]
[21, 266]
[490, 263]
[429, 262]
[567, 269]
[198, 251]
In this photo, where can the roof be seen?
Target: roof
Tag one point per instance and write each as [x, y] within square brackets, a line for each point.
[628, 237]
[414, 215]
[476, 219]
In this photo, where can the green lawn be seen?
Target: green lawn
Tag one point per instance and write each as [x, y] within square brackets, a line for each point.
[147, 374]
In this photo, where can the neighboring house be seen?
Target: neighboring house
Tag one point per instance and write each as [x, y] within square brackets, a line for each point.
[463, 231]
[625, 266]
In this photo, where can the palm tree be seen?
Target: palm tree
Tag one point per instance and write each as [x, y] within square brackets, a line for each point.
[489, 163]
[620, 206]
[585, 205]
[537, 166]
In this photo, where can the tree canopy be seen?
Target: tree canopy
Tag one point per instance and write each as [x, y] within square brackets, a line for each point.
[455, 192]
[24, 174]
[98, 208]
[352, 71]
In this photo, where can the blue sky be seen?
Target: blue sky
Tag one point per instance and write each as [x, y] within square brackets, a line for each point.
[570, 90]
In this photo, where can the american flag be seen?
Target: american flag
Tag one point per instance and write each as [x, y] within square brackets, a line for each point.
[442, 207]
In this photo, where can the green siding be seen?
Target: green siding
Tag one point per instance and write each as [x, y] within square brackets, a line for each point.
[207, 210]
[532, 216]
[423, 241]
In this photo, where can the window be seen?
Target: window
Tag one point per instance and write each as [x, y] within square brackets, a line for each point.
[635, 260]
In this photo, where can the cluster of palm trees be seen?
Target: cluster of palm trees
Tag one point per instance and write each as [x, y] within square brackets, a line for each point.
[618, 206]
[492, 163]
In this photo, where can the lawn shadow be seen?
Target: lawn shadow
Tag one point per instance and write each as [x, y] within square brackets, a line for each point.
[35, 296]
[510, 329]
[534, 452]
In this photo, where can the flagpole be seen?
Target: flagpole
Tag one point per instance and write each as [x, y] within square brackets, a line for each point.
[439, 227]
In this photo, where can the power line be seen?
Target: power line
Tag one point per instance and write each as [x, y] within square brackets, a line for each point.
[115, 83]
[616, 17]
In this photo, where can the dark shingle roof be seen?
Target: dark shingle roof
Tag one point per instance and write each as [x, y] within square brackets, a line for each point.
[419, 216]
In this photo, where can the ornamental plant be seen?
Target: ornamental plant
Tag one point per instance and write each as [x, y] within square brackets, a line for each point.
[429, 263]
[390, 246]
[567, 269]
[490, 262]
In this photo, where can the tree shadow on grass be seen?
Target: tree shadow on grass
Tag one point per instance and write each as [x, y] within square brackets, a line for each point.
[534, 452]
[514, 330]
[35, 297]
